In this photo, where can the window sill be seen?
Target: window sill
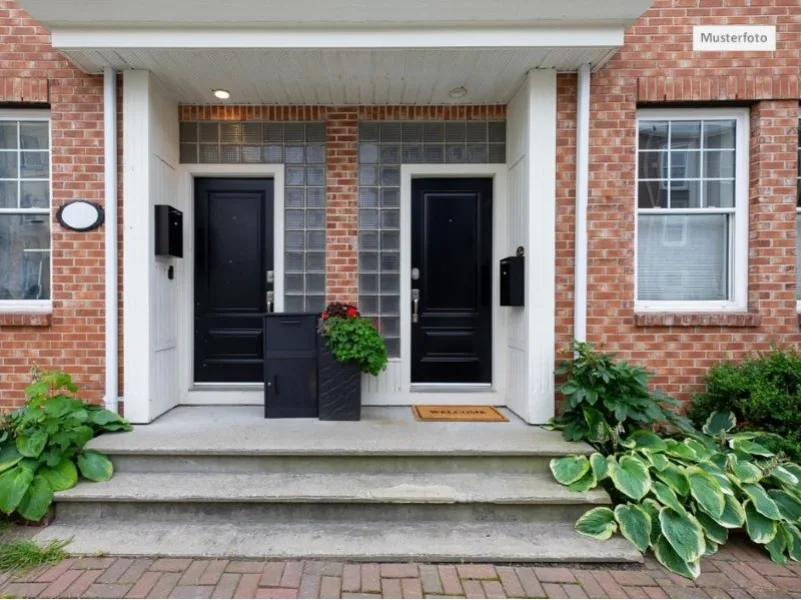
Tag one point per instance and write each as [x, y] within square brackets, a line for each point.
[24, 319]
[711, 319]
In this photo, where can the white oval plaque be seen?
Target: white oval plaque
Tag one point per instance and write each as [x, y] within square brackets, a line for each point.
[81, 215]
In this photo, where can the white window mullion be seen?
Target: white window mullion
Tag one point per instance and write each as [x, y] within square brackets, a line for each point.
[691, 256]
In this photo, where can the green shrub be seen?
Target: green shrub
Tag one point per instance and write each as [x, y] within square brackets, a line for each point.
[681, 497]
[41, 445]
[351, 337]
[606, 398]
[764, 393]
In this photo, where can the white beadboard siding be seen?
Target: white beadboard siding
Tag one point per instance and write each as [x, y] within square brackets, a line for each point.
[531, 158]
[150, 157]
[165, 305]
[416, 76]
[388, 382]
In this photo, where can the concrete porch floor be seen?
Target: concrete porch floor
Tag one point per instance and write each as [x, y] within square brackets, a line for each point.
[382, 431]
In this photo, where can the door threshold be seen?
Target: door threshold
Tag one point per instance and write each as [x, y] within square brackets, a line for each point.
[226, 387]
[452, 388]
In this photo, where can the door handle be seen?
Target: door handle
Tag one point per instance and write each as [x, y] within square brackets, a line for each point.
[415, 305]
[270, 301]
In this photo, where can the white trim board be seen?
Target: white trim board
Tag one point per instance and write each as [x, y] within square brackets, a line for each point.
[497, 394]
[188, 172]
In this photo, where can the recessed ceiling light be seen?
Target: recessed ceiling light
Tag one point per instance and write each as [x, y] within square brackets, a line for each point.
[459, 92]
[222, 94]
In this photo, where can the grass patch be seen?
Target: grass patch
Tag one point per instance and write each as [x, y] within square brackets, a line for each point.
[23, 555]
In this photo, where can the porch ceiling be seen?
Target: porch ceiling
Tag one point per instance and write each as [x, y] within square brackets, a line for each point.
[341, 77]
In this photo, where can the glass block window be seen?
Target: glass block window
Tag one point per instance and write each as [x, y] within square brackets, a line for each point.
[383, 147]
[690, 208]
[301, 148]
[24, 206]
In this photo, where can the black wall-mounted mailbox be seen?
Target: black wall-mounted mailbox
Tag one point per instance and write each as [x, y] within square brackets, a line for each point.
[169, 231]
[512, 281]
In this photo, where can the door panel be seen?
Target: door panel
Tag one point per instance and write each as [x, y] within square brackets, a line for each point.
[452, 250]
[233, 253]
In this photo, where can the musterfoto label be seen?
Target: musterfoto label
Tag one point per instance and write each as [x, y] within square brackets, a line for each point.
[734, 38]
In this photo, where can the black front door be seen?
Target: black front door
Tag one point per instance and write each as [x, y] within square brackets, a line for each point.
[452, 278]
[233, 257]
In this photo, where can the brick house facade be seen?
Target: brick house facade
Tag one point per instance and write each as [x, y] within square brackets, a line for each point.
[654, 69]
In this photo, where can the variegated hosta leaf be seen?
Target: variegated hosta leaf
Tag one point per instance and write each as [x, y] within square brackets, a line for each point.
[720, 422]
[587, 482]
[762, 502]
[794, 469]
[569, 469]
[714, 531]
[599, 465]
[733, 513]
[645, 440]
[652, 507]
[660, 461]
[723, 482]
[750, 447]
[776, 548]
[701, 451]
[679, 450]
[711, 548]
[785, 476]
[667, 496]
[792, 537]
[706, 491]
[674, 477]
[760, 528]
[630, 476]
[745, 471]
[684, 533]
[789, 506]
[635, 525]
[666, 555]
[598, 523]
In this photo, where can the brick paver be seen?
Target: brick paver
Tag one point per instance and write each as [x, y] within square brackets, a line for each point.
[738, 571]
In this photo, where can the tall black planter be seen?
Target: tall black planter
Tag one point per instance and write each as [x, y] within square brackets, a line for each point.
[340, 387]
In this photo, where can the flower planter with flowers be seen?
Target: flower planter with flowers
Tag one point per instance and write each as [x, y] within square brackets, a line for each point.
[350, 345]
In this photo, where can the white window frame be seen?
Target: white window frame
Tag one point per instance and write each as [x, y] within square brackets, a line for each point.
[738, 241]
[33, 306]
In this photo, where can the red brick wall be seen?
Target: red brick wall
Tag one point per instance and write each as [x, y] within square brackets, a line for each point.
[657, 65]
[72, 339]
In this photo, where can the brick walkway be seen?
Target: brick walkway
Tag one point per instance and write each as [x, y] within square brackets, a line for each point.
[738, 571]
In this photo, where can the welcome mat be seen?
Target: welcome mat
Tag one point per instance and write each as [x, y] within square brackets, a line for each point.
[437, 412]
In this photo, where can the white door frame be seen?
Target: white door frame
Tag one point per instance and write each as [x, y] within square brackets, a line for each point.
[231, 393]
[496, 394]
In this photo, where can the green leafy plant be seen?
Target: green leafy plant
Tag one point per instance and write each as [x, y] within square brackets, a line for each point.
[351, 337]
[20, 556]
[607, 398]
[681, 497]
[764, 393]
[41, 445]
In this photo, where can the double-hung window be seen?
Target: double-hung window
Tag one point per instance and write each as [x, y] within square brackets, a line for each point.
[24, 210]
[692, 209]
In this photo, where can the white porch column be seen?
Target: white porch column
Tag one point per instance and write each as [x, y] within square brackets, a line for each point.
[531, 158]
[150, 302]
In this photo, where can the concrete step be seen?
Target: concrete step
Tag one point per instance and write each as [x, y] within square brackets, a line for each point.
[277, 498]
[361, 541]
[238, 439]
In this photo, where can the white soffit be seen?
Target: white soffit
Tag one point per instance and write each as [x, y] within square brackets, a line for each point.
[341, 77]
[308, 13]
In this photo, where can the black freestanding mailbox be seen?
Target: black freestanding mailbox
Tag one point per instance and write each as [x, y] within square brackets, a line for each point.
[512, 280]
[290, 365]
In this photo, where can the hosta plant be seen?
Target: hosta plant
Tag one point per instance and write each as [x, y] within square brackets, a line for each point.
[681, 497]
[606, 399]
[42, 445]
